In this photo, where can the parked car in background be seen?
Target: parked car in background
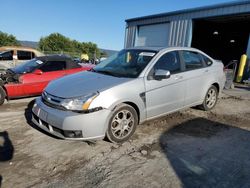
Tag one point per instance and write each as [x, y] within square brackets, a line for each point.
[134, 86]
[10, 56]
[31, 77]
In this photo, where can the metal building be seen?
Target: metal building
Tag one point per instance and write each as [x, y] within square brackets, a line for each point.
[220, 30]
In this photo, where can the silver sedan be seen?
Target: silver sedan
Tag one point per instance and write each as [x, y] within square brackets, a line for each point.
[129, 88]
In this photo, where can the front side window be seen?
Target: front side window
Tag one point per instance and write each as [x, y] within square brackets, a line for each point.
[50, 66]
[192, 60]
[169, 61]
[6, 55]
[126, 63]
[24, 55]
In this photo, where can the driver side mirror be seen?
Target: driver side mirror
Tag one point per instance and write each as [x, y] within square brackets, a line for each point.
[161, 74]
[38, 72]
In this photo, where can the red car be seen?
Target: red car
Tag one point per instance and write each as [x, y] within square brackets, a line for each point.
[31, 77]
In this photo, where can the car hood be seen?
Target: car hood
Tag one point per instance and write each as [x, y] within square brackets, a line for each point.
[82, 83]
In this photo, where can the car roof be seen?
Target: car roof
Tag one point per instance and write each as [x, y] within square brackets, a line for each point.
[8, 48]
[155, 48]
[146, 48]
[54, 58]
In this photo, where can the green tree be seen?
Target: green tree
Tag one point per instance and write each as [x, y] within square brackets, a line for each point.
[92, 50]
[8, 40]
[56, 42]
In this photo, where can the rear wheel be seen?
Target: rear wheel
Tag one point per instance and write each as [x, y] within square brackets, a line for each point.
[2, 95]
[122, 124]
[210, 99]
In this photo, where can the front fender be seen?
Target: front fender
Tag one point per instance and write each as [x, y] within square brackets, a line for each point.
[138, 103]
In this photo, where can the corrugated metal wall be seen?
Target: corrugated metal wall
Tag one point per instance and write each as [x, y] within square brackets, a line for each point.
[180, 33]
[181, 23]
[130, 35]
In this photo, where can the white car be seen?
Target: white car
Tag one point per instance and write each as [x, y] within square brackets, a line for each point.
[129, 88]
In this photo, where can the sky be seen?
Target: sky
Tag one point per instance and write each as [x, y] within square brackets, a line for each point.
[98, 21]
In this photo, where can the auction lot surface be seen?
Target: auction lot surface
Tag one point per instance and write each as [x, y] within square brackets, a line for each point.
[190, 148]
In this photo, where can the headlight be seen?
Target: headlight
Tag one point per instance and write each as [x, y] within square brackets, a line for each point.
[80, 103]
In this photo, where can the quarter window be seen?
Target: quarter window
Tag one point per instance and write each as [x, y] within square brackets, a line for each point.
[169, 61]
[207, 61]
[192, 60]
[50, 66]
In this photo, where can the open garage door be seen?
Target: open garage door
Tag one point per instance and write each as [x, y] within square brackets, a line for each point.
[153, 35]
[223, 38]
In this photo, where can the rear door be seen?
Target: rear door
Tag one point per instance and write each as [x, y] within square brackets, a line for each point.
[35, 83]
[166, 95]
[196, 76]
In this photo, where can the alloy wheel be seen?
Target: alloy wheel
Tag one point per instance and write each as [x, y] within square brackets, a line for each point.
[122, 124]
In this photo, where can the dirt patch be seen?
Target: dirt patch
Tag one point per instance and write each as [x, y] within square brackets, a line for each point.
[190, 148]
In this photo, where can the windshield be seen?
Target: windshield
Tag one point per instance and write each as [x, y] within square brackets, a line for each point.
[126, 63]
[27, 67]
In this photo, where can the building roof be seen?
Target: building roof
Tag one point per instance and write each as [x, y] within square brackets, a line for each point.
[221, 5]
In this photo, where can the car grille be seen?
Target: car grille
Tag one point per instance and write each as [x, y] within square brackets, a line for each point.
[45, 124]
[62, 133]
[52, 101]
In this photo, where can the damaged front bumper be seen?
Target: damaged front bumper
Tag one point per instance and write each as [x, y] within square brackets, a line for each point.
[68, 124]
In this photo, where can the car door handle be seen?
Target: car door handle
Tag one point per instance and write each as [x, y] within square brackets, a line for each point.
[178, 77]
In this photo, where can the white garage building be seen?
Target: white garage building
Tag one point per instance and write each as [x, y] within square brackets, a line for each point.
[220, 30]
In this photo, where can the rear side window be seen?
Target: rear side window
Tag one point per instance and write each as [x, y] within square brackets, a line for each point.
[192, 60]
[25, 55]
[50, 66]
[169, 61]
[72, 65]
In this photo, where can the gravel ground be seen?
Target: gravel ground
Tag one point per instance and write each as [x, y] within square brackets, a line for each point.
[190, 148]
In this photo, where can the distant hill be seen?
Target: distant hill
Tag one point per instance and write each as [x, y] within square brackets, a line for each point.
[109, 52]
[30, 44]
[33, 44]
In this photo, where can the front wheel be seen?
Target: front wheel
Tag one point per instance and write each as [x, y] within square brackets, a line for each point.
[2, 95]
[210, 99]
[122, 124]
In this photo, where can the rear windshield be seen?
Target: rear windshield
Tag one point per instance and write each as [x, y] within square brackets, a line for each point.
[27, 67]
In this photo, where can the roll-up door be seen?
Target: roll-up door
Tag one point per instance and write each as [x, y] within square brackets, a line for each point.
[153, 35]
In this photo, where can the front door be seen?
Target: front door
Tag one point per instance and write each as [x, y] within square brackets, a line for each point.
[166, 95]
[35, 83]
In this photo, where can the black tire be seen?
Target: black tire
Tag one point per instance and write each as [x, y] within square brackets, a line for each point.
[126, 124]
[209, 104]
[2, 95]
